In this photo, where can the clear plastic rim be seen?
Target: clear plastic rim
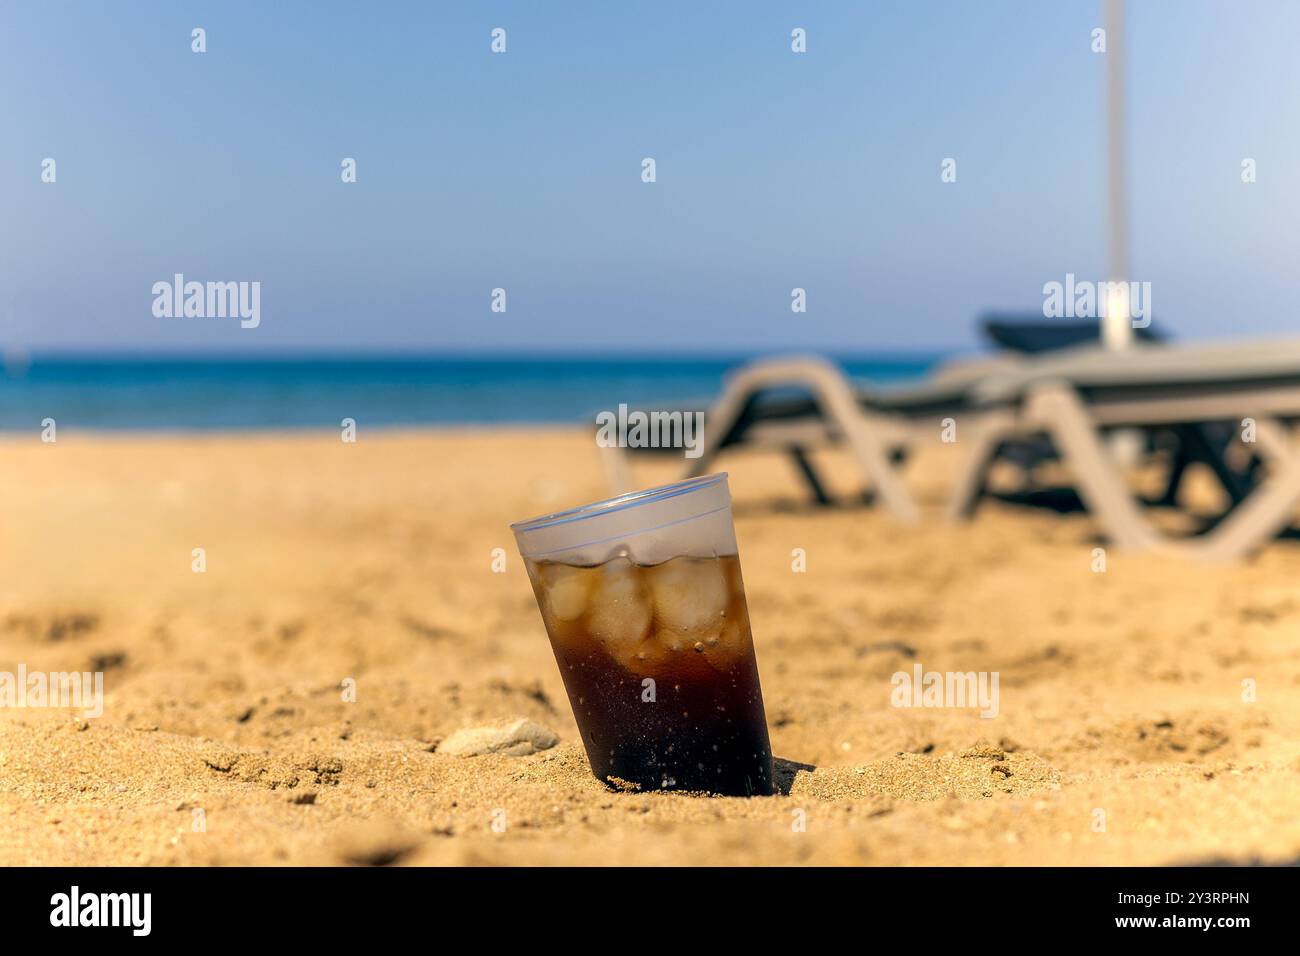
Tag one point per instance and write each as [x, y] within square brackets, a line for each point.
[631, 499]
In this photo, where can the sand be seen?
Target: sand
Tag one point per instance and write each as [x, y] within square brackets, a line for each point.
[1122, 735]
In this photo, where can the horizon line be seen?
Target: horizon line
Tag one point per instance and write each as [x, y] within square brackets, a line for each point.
[471, 355]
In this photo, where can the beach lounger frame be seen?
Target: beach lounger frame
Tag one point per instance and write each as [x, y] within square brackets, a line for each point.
[1093, 393]
[877, 427]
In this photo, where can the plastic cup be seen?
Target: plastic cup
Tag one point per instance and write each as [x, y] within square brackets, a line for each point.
[645, 607]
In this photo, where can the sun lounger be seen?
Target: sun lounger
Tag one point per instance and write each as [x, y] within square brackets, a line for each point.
[1068, 400]
[1073, 397]
[797, 404]
[1031, 334]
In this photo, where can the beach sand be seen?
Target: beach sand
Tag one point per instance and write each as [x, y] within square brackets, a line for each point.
[1122, 735]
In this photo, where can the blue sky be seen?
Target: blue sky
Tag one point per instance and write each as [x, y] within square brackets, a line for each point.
[522, 171]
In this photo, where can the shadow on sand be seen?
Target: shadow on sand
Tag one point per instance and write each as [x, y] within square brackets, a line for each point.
[784, 772]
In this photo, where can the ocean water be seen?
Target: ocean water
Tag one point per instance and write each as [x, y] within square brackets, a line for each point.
[204, 393]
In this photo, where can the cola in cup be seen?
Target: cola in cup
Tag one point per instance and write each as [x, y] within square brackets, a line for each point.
[645, 608]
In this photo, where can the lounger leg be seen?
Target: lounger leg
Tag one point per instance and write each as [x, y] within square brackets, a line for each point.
[837, 403]
[720, 421]
[810, 475]
[989, 431]
[1269, 510]
[1058, 409]
[1177, 469]
[618, 470]
[1195, 445]
[695, 467]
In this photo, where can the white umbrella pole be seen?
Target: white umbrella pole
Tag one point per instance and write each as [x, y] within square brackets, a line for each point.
[1117, 326]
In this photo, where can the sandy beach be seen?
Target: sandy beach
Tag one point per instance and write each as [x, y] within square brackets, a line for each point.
[1122, 735]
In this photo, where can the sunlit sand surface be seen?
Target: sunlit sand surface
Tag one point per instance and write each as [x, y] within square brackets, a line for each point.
[1122, 736]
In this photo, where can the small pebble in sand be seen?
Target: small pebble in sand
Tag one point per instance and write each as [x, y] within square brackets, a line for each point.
[515, 738]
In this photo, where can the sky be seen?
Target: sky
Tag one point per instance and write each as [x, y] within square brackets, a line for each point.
[523, 171]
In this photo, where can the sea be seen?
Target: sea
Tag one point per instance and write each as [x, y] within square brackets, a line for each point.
[198, 393]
